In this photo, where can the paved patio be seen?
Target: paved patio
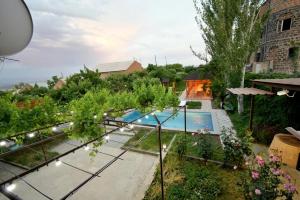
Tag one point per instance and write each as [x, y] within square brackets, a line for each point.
[124, 179]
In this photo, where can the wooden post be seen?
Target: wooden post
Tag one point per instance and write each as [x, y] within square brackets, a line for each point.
[251, 111]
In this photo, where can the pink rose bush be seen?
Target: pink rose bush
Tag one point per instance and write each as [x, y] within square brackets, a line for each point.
[266, 180]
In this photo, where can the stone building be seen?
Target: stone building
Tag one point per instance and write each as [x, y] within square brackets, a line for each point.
[280, 41]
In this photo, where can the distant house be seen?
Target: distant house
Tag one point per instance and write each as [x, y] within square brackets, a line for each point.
[126, 67]
[59, 84]
[197, 86]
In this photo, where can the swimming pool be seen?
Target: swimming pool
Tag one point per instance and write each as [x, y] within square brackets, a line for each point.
[194, 120]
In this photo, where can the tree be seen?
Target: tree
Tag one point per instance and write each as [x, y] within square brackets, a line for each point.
[231, 30]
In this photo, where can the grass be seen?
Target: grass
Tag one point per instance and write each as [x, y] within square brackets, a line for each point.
[150, 142]
[192, 150]
[183, 179]
[194, 105]
[34, 156]
[240, 122]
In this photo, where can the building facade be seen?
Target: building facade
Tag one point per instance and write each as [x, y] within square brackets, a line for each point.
[280, 41]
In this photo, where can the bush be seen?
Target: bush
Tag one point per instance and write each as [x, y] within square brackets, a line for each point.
[194, 105]
[266, 180]
[181, 146]
[235, 149]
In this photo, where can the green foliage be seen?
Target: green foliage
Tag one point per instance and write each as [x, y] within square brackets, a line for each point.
[205, 147]
[266, 180]
[88, 112]
[231, 31]
[181, 146]
[236, 149]
[194, 105]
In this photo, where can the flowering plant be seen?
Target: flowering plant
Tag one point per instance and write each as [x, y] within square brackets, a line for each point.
[266, 180]
[236, 149]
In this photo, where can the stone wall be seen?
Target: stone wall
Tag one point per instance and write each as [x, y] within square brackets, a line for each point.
[275, 44]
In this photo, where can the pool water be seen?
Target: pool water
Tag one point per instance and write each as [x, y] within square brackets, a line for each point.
[194, 120]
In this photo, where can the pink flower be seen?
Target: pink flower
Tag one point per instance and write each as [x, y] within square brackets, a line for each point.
[274, 158]
[275, 171]
[257, 192]
[255, 175]
[290, 187]
[288, 177]
[193, 134]
[260, 161]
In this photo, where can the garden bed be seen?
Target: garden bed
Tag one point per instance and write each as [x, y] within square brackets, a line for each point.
[34, 156]
[194, 105]
[150, 141]
[191, 179]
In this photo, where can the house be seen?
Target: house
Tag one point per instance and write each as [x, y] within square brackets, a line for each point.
[197, 87]
[59, 84]
[126, 67]
[280, 41]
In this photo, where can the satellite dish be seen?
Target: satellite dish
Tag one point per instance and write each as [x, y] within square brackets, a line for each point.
[16, 26]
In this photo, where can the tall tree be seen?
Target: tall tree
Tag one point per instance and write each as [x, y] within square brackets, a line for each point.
[231, 30]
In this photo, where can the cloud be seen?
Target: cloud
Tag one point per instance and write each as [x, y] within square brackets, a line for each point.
[70, 33]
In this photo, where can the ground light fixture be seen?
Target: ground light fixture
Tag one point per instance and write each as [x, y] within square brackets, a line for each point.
[122, 129]
[285, 92]
[2, 143]
[106, 138]
[147, 117]
[104, 114]
[95, 116]
[72, 112]
[139, 120]
[54, 129]
[58, 163]
[71, 123]
[10, 187]
[31, 135]
[131, 126]
[153, 113]
[164, 147]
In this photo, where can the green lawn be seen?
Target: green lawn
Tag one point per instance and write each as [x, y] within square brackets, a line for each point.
[149, 142]
[194, 105]
[190, 179]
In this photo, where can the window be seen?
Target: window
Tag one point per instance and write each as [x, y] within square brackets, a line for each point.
[257, 57]
[284, 25]
[293, 52]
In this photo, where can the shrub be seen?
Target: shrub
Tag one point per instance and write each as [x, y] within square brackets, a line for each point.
[266, 180]
[236, 149]
[181, 146]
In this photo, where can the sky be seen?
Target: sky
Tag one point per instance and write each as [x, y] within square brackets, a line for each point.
[69, 34]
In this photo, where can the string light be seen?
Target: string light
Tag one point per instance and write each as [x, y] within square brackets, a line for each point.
[2, 143]
[31, 135]
[10, 187]
[58, 163]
